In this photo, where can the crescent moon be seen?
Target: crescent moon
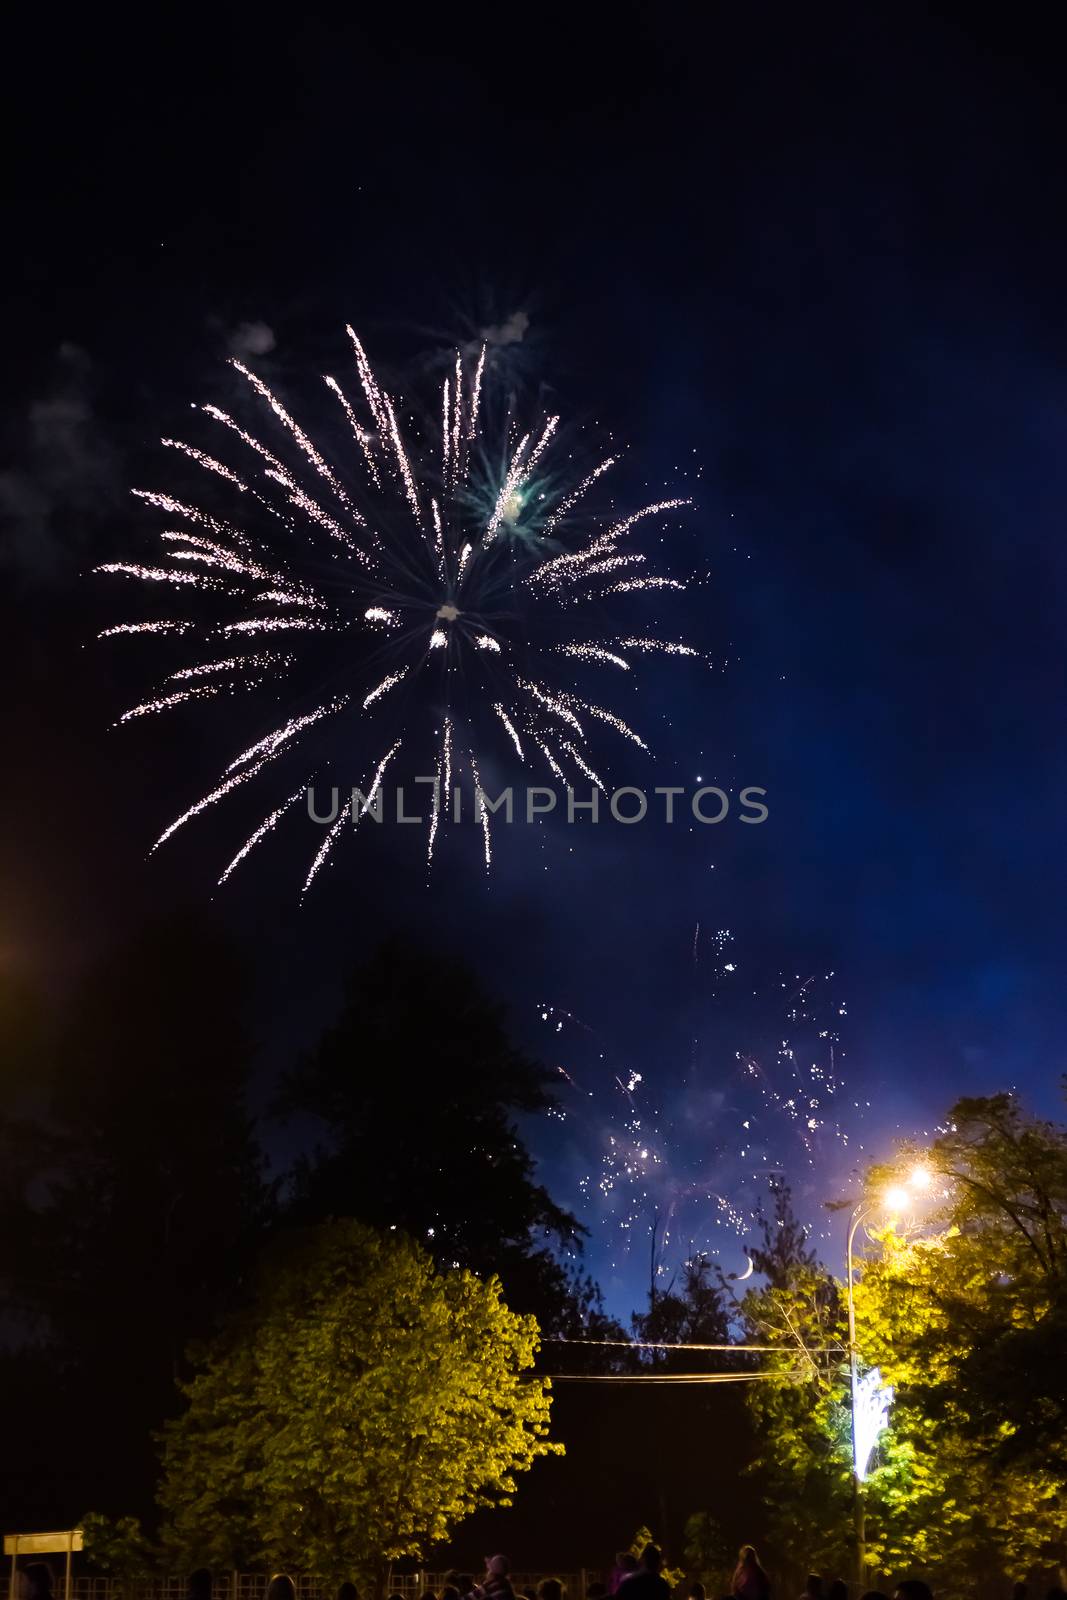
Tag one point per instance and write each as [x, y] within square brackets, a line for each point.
[749, 1270]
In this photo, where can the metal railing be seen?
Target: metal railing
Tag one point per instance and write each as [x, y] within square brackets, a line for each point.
[254, 1585]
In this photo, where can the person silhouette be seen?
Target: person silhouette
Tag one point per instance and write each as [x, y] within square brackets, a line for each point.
[750, 1580]
[648, 1582]
[913, 1589]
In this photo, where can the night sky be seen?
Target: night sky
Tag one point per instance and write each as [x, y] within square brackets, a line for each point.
[811, 271]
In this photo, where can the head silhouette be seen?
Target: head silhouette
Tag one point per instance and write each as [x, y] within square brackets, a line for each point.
[913, 1589]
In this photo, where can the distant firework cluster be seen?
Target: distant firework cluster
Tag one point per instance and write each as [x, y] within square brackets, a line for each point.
[680, 1168]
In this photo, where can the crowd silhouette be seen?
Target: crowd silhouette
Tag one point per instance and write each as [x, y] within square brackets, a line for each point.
[631, 1578]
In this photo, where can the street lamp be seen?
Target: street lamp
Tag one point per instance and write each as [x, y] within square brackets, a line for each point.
[862, 1392]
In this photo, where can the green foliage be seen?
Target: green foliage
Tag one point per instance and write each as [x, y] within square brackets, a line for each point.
[420, 1057]
[690, 1312]
[963, 1308]
[636, 1547]
[967, 1321]
[362, 1406]
[800, 1417]
[708, 1551]
[119, 1546]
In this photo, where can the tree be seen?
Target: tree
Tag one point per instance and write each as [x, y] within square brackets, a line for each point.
[118, 1547]
[133, 1201]
[709, 1552]
[690, 1312]
[637, 1547]
[965, 1311]
[799, 1410]
[416, 1088]
[359, 1408]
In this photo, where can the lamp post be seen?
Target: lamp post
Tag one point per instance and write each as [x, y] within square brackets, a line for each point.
[859, 1213]
[894, 1199]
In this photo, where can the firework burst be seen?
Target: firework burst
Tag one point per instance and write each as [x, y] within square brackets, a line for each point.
[441, 583]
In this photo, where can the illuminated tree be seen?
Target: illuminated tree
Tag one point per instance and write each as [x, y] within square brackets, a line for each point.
[361, 1407]
[964, 1308]
[800, 1415]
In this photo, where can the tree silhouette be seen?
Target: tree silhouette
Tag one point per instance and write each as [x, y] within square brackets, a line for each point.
[415, 1091]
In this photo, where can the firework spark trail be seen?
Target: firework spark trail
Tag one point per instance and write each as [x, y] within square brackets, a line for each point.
[218, 415]
[271, 743]
[571, 564]
[209, 463]
[145, 627]
[134, 569]
[476, 396]
[612, 564]
[224, 788]
[593, 652]
[571, 500]
[283, 597]
[297, 432]
[261, 832]
[482, 809]
[211, 553]
[312, 509]
[358, 432]
[457, 415]
[231, 663]
[447, 596]
[549, 757]
[370, 385]
[628, 585]
[508, 488]
[558, 707]
[441, 787]
[519, 473]
[610, 718]
[276, 625]
[403, 463]
[668, 646]
[583, 765]
[446, 431]
[357, 815]
[150, 708]
[506, 720]
[178, 508]
[384, 687]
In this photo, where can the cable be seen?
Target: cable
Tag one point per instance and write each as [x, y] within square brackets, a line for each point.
[651, 1344]
[667, 1377]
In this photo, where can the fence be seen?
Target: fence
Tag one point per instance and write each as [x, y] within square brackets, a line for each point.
[253, 1586]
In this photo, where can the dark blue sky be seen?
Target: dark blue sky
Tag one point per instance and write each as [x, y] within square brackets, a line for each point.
[824, 259]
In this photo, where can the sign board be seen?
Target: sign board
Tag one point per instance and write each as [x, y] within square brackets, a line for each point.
[43, 1544]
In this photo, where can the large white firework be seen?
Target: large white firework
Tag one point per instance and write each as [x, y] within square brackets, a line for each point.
[459, 564]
